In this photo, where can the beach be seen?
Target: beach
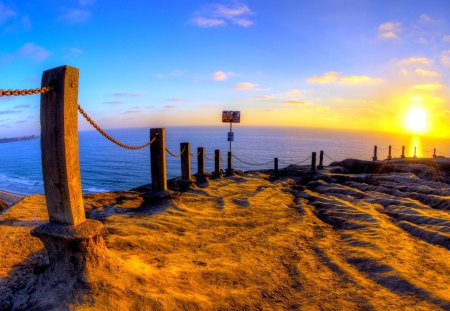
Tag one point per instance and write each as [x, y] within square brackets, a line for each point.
[355, 236]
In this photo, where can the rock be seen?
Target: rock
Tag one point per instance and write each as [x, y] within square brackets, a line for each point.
[3, 205]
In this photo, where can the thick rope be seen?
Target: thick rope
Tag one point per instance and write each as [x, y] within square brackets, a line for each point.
[175, 155]
[330, 157]
[25, 91]
[254, 164]
[107, 136]
[298, 163]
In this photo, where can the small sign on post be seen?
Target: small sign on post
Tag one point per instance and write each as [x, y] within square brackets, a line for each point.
[230, 136]
[231, 116]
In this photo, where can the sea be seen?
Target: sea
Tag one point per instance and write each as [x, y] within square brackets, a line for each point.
[108, 167]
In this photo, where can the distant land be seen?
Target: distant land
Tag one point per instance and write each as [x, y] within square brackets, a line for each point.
[12, 139]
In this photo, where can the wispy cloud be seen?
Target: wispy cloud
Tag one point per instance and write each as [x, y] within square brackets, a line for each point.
[22, 106]
[245, 86]
[446, 39]
[114, 102]
[389, 30]
[296, 102]
[426, 73]
[6, 13]
[427, 19]
[34, 51]
[170, 107]
[10, 112]
[222, 75]
[73, 52]
[74, 15]
[337, 78]
[126, 94]
[11, 20]
[260, 98]
[176, 99]
[215, 15]
[445, 58]
[427, 87]
[177, 73]
[415, 60]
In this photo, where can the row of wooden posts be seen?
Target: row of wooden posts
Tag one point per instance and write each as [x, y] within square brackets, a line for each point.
[389, 157]
[158, 161]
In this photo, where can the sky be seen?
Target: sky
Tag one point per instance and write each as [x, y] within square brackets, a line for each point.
[347, 64]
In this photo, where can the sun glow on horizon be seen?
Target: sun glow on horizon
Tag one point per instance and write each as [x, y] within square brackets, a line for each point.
[416, 120]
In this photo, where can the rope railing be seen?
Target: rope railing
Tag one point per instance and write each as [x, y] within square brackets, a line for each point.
[298, 163]
[175, 155]
[329, 157]
[195, 154]
[209, 158]
[249, 163]
[25, 91]
[109, 137]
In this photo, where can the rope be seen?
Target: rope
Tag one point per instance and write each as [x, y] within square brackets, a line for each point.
[441, 153]
[195, 154]
[330, 158]
[208, 158]
[107, 136]
[254, 164]
[298, 163]
[175, 155]
[25, 91]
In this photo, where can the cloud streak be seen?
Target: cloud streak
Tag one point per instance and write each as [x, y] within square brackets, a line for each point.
[389, 31]
[34, 51]
[217, 15]
[333, 77]
[245, 86]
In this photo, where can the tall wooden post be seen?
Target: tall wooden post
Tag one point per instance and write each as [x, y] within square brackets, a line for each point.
[313, 161]
[390, 153]
[415, 152]
[59, 146]
[375, 158]
[275, 168]
[320, 166]
[230, 163]
[201, 161]
[434, 153]
[403, 152]
[158, 159]
[217, 162]
[185, 148]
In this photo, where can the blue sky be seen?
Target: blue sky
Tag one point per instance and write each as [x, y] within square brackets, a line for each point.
[355, 64]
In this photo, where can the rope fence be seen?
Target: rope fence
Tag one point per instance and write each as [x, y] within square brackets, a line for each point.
[253, 164]
[175, 155]
[25, 91]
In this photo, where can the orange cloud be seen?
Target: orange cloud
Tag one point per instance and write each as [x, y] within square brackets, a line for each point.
[336, 77]
[415, 61]
[389, 30]
[245, 86]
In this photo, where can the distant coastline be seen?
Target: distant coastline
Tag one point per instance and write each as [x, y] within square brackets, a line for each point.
[13, 139]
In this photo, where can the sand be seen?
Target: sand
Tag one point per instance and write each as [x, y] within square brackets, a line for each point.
[337, 240]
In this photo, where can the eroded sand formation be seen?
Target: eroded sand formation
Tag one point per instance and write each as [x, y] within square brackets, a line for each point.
[357, 236]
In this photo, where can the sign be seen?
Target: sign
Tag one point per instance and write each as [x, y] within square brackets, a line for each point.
[230, 136]
[231, 116]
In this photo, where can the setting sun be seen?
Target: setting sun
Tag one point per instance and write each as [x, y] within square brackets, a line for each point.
[416, 120]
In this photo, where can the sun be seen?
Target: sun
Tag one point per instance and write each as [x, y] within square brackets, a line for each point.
[416, 120]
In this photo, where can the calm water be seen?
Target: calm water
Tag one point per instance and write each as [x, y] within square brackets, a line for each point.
[105, 166]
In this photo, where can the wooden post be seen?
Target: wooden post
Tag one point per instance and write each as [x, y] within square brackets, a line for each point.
[201, 161]
[434, 153]
[403, 152]
[230, 163]
[320, 166]
[59, 146]
[217, 162]
[185, 148]
[375, 158]
[275, 168]
[415, 151]
[313, 162]
[158, 159]
[390, 153]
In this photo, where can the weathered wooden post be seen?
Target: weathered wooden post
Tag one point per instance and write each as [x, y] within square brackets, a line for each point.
[415, 152]
[390, 153]
[275, 168]
[320, 166]
[185, 182]
[217, 171]
[375, 158]
[230, 164]
[73, 243]
[158, 160]
[200, 161]
[313, 162]
[434, 153]
[403, 152]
